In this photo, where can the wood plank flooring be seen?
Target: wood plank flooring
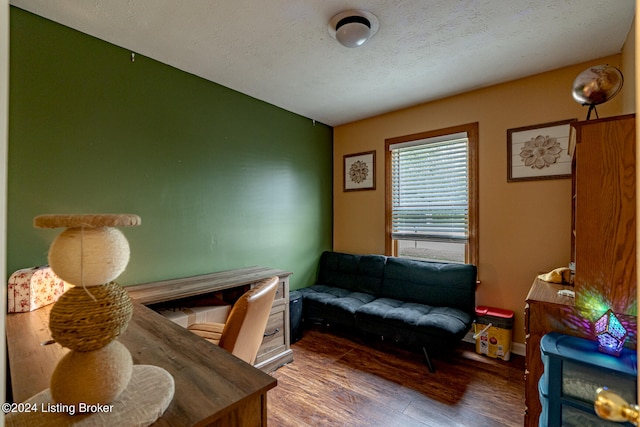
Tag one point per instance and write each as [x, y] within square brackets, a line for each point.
[339, 381]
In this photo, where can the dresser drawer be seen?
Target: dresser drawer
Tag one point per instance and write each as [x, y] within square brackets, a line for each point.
[274, 341]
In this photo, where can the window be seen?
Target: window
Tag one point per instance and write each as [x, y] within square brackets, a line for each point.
[432, 204]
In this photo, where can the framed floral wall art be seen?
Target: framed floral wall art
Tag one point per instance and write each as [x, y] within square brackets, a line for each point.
[539, 152]
[360, 171]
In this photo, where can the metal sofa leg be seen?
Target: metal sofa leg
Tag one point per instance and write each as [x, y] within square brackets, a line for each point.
[428, 360]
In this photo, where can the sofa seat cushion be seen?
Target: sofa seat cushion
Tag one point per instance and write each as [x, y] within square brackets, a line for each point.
[412, 322]
[323, 303]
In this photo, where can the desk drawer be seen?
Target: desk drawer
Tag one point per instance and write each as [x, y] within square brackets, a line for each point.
[280, 292]
[273, 342]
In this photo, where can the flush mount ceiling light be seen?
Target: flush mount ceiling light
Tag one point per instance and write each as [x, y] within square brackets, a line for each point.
[352, 28]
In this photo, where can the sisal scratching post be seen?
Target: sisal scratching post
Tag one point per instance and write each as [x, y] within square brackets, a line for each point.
[90, 254]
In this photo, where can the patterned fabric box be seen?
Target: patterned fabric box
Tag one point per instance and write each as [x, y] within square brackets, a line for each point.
[32, 288]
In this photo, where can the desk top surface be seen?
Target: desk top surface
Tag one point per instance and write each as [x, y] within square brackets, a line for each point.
[167, 290]
[209, 382]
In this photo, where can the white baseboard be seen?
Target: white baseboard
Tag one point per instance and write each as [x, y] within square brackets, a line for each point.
[516, 347]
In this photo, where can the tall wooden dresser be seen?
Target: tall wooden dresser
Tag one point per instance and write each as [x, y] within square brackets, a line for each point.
[603, 245]
[604, 212]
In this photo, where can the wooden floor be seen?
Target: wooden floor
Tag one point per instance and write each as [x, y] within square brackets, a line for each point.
[337, 381]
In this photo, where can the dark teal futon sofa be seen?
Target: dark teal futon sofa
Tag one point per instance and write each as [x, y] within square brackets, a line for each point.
[419, 303]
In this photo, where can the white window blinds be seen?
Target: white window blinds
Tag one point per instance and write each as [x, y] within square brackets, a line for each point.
[430, 189]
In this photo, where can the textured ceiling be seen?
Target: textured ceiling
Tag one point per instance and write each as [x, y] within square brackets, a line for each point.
[280, 51]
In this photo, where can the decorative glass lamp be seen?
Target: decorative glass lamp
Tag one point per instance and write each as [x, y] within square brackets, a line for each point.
[611, 334]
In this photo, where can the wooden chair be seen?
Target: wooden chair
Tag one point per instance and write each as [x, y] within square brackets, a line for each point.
[243, 331]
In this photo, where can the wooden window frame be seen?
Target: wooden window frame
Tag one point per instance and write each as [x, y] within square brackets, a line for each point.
[472, 130]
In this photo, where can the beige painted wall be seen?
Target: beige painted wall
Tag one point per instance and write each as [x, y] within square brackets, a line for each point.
[524, 226]
[628, 67]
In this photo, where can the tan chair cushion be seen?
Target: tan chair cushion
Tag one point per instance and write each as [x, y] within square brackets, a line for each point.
[209, 331]
[242, 333]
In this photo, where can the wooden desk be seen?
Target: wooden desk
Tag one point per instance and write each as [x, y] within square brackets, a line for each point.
[275, 349]
[212, 387]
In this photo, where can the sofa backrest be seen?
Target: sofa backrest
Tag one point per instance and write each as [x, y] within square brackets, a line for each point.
[432, 283]
[361, 273]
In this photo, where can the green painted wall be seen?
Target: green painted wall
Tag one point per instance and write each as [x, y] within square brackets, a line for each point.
[220, 180]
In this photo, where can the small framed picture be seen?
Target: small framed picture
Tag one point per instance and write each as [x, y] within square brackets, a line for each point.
[360, 171]
[539, 152]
